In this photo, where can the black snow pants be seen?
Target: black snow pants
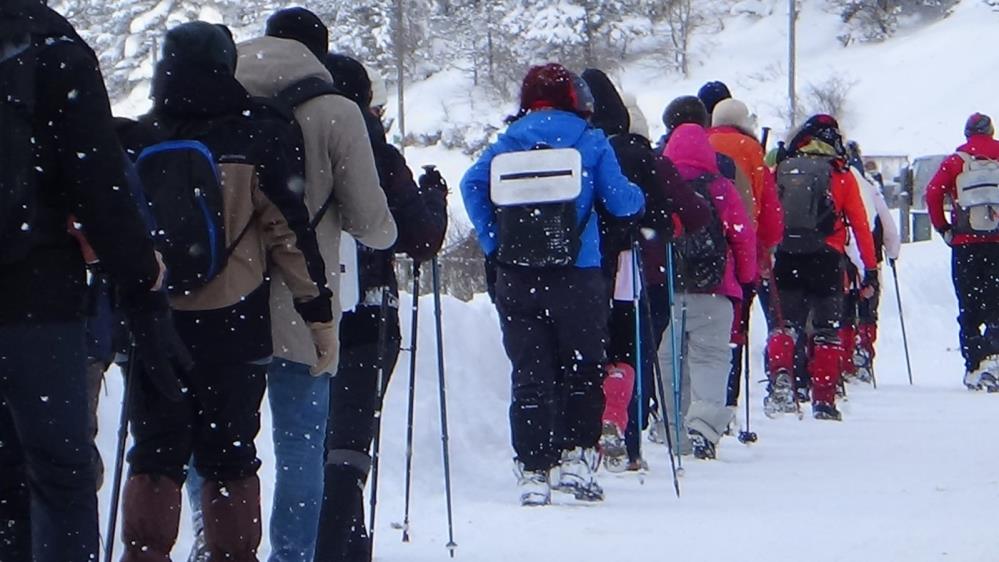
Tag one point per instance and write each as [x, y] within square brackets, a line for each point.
[554, 324]
[975, 269]
[48, 487]
[350, 429]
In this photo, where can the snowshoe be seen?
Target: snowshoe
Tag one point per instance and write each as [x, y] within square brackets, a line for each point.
[704, 449]
[657, 429]
[577, 475]
[780, 397]
[989, 383]
[613, 449]
[826, 411]
[802, 394]
[533, 487]
[865, 366]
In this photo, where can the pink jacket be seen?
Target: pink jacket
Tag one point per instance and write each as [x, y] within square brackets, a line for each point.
[688, 148]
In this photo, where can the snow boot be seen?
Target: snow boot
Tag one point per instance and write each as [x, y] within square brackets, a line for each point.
[618, 387]
[985, 377]
[848, 340]
[533, 487]
[825, 367]
[612, 448]
[577, 475]
[704, 449]
[826, 411]
[863, 358]
[780, 364]
[637, 465]
[151, 518]
[780, 398]
[232, 519]
[344, 536]
[657, 429]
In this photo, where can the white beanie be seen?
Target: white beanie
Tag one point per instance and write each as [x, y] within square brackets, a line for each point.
[639, 125]
[379, 94]
[733, 113]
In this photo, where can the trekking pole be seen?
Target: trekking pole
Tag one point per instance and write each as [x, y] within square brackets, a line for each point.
[414, 331]
[901, 318]
[119, 459]
[677, 376]
[636, 295]
[765, 139]
[379, 397]
[746, 436]
[657, 371]
[451, 545]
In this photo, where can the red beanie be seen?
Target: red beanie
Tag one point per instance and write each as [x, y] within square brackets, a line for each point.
[550, 86]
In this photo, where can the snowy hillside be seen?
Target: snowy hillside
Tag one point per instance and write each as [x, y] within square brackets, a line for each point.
[908, 476]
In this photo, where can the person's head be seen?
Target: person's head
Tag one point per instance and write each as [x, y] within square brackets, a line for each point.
[733, 113]
[685, 110]
[712, 93]
[200, 44]
[820, 134]
[303, 26]
[350, 77]
[979, 124]
[548, 86]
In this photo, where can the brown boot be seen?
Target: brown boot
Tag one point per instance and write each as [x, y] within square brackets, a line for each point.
[232, 519]
[151, 510]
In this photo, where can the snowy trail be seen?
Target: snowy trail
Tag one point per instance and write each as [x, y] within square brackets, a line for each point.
[909, 475]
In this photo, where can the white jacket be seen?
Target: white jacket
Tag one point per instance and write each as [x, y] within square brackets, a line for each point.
[874, 203]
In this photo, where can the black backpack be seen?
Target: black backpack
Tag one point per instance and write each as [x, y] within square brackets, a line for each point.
[803, 186]
[18, 178]
[702, 256]
[284, 104]
[183, 189]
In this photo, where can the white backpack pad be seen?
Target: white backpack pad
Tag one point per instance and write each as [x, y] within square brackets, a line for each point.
[350, 281]
[978, 192]
[536, 177]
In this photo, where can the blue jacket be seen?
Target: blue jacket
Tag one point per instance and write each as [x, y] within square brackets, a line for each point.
[602, 178]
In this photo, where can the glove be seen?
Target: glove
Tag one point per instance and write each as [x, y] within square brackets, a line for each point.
[432, 181]
[947, 233]
[160, 354]
[324, 337]
[869, 286]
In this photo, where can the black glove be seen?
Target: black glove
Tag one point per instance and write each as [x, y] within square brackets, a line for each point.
[748, 292]
[160, 354]
[431, 181]
[947, 233]
[871, 281]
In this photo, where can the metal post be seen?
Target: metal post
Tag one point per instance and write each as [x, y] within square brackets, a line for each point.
[792, 17]
[400, 73]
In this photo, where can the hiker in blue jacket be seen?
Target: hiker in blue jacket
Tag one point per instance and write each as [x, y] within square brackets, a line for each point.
[553, 310]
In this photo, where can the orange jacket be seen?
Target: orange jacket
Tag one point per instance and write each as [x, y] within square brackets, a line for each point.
[851, 211]
[747, 153]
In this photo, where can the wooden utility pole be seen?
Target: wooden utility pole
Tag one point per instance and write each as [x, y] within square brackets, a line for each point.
[400, 76]
[792, 17]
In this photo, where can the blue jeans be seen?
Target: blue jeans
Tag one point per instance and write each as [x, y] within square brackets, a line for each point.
[299, 409]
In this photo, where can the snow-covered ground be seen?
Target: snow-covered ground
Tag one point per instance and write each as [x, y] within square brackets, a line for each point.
[909, 475]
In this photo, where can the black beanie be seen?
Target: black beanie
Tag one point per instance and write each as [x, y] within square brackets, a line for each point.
[202, 44]
[712, 93]
[683, 110]
[979, 124]
[303, 26]
[350, 77]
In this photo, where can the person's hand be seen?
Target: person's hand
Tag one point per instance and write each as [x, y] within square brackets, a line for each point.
[432, 181]
[869, 286]
[162, 274]
[324, 338]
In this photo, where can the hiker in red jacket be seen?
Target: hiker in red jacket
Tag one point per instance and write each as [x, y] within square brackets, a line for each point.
[820, 198]
[973, 234]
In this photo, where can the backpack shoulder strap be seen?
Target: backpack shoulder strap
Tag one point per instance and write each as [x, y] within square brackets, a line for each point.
[305, 90]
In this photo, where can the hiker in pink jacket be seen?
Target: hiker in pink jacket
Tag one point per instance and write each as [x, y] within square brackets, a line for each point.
[708, 283]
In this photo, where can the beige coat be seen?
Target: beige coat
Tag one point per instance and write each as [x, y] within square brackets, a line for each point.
[338, 160]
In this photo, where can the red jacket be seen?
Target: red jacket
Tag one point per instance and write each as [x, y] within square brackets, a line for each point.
[944, 185]
[850, 210]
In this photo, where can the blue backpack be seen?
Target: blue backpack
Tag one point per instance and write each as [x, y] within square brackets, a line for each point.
[183, 189]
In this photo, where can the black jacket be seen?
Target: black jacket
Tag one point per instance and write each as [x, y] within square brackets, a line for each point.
[420, 216]
[254, 149]
[80, 174]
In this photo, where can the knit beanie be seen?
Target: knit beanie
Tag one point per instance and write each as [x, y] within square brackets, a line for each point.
[202, 44]
[685, 109]
[548, 86]
[979, 124]
[823, 128]
[303, 26]
[732, 113]
[350, 77]
[712, 93]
